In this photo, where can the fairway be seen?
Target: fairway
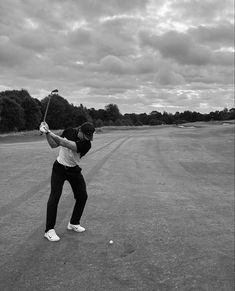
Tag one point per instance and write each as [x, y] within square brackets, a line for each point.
[164, 195]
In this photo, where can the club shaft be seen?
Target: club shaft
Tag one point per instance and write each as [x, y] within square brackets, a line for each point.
[48, 103]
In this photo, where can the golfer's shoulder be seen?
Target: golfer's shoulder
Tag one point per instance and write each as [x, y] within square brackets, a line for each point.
[70, 133]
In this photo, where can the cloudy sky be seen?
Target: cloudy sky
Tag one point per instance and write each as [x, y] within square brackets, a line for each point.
[142, 55]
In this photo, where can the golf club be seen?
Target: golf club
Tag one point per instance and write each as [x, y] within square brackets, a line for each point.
[48, 103]
[49, 96]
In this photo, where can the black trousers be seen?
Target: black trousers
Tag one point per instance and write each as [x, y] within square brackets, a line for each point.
[74, 176]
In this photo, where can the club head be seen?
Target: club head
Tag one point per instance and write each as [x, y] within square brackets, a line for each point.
[54, 91]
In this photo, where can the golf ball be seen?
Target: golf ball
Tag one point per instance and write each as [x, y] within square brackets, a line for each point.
[111, 242]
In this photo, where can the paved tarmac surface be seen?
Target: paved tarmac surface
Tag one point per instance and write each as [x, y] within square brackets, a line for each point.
[164, 195]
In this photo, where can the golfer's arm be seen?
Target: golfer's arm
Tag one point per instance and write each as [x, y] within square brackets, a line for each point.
[59, 141]
[52, 143]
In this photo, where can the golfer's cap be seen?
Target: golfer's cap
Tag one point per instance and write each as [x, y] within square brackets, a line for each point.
[87, 128]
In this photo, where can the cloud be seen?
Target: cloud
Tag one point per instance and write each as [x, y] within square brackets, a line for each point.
[177, 46]
[96, 8]
[114, 83]
[218, 36]
[112, 64]
[223, 58]
[36, 41]
[134, 53]
[11, 55]
[133, 66]
[198, 12]
[166, 77]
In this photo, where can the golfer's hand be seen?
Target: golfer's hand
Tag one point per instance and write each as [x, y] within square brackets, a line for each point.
[45, 124]
[44, 128]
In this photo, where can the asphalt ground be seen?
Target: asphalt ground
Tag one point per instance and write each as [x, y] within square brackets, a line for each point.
[164, 195]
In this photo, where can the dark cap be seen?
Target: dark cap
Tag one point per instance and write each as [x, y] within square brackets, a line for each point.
[87, 128]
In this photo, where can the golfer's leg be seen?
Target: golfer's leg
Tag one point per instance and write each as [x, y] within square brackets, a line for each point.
[80, 194]
[57, 181]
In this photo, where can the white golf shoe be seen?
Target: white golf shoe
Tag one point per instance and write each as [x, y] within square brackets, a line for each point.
[77, 227]
[51, 235]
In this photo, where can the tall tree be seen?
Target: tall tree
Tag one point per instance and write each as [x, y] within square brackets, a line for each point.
[11, 115]
[113, 112]
[58, 111]
[155, 118]
[32, 113]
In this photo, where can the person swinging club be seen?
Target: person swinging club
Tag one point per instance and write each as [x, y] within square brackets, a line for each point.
[74, 144]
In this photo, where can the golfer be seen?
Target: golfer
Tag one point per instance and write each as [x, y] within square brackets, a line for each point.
[74, 144]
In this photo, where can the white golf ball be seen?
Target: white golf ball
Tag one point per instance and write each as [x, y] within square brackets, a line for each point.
[111, 242]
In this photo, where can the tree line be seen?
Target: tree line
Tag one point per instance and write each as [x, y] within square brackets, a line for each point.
[20, 112]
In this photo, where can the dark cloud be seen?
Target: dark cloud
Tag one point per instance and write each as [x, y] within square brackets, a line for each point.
[219, 35]
[177, 46]
[223, 59]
